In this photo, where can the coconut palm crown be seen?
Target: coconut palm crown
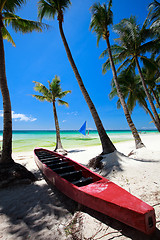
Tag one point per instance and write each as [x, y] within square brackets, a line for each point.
[9, 18]
[102, 18]
[51, 8]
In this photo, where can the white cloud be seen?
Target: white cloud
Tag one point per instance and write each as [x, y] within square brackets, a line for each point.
[19, 117]
[64, 121]
[148, 128]
[72, 113]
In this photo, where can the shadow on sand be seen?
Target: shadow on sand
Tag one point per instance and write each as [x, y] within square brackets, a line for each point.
[76, 151]
[115, 161]
[32, 209]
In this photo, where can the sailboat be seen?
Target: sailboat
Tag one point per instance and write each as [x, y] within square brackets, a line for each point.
[83, 128]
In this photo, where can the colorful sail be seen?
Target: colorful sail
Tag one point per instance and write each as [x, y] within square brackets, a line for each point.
[83, 129]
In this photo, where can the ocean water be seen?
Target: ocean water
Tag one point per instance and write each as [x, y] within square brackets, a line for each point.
[28, 140]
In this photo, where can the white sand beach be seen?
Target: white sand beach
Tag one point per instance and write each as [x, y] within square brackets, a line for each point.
[36, 211]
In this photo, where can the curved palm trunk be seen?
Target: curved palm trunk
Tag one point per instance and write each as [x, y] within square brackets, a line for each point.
[138, 141]
[107, 145]
[151, 115]
[58, 139]
[155, 97]
[147, 94]
[6, 157]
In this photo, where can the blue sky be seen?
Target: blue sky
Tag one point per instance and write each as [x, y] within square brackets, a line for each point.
[41, 56]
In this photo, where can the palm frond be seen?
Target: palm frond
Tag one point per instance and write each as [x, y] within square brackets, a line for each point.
[39, 87]
[146, 23]
[106, 66]
[149, 64]
[11, 5]
[6, 35]
[45, 9]
[40, 98]
[154, 7]
[22, 25]
[152, 46]
[131, 102]
[63, 94]
[155, 26]
[113, 93]
[125, 64]
[118, 104]
[61, 102]
[115, 49]
[104, 54]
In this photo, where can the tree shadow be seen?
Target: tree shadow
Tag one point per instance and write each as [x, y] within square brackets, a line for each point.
[76, 151]
[28, 209]
[143, 160]
[114, 163]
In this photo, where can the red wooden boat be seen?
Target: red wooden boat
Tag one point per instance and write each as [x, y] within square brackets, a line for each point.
[95, 191]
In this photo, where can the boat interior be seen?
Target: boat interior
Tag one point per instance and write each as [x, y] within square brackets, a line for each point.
[66, 168]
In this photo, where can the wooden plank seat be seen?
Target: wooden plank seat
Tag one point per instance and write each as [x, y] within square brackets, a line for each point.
[58, 164]
[72, 176]
[51, 161]
[83, 181]
[49, 157]
[64, 169]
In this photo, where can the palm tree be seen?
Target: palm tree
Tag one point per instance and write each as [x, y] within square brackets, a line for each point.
[133, 45]
[9, 18]
[49, 9]
[102, 18]
[52, 94]
[132, 90]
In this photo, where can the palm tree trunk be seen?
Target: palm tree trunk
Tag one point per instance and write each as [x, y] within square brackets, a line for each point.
[155, 97]
[107, 145]
[147, 94]
[6, 156]
[58, 138]
[138, 141]
[151, 115]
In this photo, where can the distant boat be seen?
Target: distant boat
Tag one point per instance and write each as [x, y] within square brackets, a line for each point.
[83, 128]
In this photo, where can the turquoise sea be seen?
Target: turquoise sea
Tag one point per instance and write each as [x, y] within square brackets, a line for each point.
[28, 140]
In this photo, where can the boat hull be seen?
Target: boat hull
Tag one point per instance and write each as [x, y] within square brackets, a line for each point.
[101, 195]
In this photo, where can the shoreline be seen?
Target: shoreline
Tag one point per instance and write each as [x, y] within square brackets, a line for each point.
[38, 212]
[24, 142]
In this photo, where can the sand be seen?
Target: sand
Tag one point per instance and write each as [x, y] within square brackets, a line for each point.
[38, 211]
